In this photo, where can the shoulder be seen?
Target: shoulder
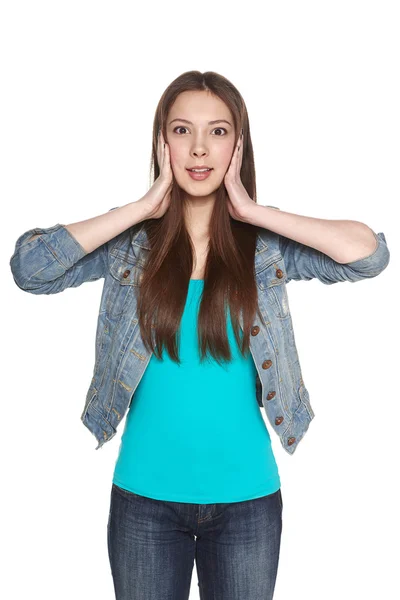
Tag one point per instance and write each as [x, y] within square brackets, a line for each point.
[267, 241]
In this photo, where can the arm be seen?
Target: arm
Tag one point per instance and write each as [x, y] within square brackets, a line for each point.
[328, 250]
[49, 260]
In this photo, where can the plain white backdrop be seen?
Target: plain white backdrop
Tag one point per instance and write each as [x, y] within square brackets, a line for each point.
[80, 84]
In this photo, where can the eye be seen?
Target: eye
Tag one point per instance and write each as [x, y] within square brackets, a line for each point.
[216, 129]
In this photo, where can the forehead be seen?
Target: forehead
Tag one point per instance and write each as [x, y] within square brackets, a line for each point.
[199, 107]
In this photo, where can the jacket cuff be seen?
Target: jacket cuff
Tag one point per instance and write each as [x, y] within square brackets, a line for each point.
[60, 243]
[375, 262]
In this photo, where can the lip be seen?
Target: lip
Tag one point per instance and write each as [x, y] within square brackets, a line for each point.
[199, 176]
[199, 167]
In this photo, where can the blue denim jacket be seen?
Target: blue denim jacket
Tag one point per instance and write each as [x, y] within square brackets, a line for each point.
[55, 261]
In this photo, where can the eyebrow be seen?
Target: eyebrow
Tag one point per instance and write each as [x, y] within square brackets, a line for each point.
[209, 122]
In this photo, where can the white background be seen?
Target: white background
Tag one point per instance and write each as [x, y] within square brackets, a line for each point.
[80, 84]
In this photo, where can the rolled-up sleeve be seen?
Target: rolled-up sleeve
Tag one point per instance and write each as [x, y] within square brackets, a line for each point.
[304, 262]
[54, 261]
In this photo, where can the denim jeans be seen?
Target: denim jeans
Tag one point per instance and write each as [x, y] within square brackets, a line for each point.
[152, 545]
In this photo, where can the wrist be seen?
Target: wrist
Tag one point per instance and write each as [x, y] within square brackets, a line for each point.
[255, 214]
[140, 209]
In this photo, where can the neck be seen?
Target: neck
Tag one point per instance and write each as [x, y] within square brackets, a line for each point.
[198, 211]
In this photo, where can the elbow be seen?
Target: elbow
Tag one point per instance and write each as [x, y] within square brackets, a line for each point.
[375, 263]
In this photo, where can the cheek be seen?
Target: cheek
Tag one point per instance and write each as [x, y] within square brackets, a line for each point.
[226, 156]
[175, 157]
[178, 157]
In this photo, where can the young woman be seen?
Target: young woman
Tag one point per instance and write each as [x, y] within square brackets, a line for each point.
[194, 336]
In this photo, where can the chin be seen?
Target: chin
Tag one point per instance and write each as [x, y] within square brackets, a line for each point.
[205, 190]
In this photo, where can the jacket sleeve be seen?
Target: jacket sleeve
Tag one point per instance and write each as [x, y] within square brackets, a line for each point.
[304, 262]
[55, 261]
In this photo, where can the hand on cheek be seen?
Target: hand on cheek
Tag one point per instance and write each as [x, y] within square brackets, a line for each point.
[239, 202]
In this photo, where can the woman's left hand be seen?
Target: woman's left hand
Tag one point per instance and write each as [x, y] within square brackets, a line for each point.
[239, 202]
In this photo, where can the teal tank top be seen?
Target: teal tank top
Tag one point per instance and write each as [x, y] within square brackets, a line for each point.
[194, 432]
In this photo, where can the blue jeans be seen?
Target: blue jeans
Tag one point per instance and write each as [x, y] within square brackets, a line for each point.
[152, 547]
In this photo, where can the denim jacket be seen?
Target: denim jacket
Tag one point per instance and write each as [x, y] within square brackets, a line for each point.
[55, 261]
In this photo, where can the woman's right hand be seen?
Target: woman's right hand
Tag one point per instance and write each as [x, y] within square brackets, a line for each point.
[158, 198]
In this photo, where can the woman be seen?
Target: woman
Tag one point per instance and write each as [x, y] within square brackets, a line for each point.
[196, 478]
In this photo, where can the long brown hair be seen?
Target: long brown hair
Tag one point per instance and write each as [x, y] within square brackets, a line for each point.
[229, 278]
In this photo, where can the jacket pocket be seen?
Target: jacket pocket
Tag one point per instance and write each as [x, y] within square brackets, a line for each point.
[124, 282]
[271, 279]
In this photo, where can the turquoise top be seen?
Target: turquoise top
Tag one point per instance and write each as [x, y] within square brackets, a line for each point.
[194, 432]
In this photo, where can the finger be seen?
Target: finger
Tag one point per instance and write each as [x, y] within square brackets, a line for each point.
[233, 163]
[236, 157]
[162, 146]
[159, 136]
[166, 159]
[240, 153]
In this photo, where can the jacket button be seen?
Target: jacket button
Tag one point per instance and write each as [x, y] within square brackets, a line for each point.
[291, 441]
[278, 420]
[126, 274]
[271, 395]
[266, 364]
[255, 330]
[279, 273]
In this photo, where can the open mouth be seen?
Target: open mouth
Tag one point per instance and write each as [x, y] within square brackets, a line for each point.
[199, 170]
[199, 174]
